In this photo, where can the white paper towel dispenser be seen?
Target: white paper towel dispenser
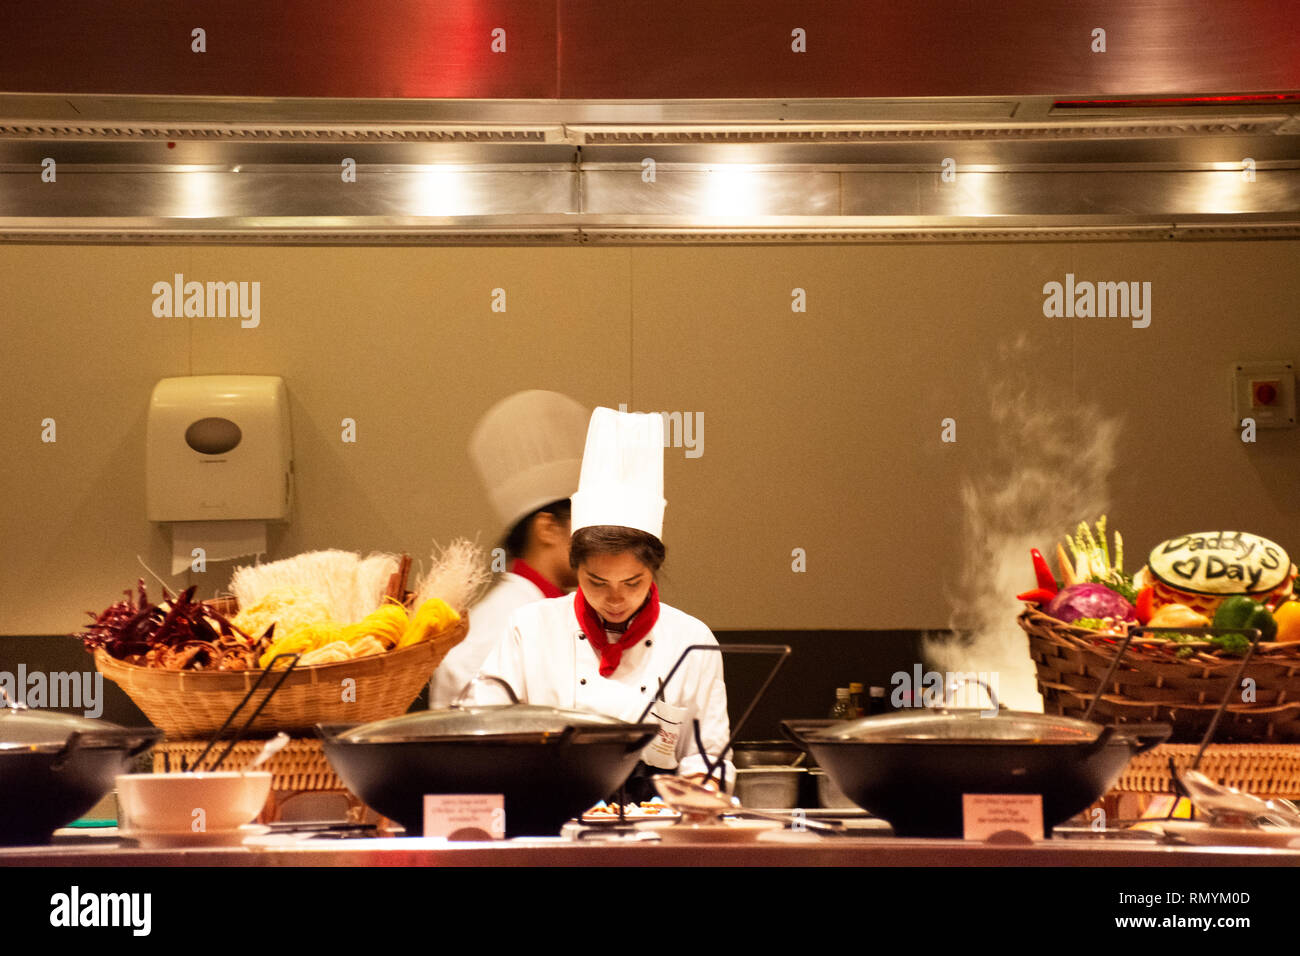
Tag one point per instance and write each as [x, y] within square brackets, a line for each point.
[219, 449]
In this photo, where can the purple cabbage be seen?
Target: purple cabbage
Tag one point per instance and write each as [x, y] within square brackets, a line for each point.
[1089, 600]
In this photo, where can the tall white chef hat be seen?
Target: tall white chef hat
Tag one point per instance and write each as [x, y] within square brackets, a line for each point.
[528, 452]
[622, 479]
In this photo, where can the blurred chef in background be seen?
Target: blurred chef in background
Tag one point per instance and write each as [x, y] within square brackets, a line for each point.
[527, 450]
[610, 645]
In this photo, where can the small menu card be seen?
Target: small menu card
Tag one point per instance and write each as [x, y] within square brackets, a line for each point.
[986, 814]
[465, 816]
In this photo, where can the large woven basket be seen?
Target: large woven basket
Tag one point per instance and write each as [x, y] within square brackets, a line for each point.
[196, 703]
[1152, 684]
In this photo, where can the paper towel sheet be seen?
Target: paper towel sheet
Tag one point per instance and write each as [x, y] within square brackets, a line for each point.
[220, 541]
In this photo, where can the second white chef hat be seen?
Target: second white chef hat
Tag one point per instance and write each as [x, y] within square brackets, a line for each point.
[527, 449]
[622, 481]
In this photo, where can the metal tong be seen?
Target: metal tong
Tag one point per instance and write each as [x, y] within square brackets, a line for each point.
[193, 767]
[781, 651]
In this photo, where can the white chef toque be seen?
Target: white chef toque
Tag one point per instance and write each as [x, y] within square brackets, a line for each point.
[622, 480]
[527, 449]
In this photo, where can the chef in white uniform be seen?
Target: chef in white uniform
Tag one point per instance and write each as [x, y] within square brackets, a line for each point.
[608, 646]
[527, 449]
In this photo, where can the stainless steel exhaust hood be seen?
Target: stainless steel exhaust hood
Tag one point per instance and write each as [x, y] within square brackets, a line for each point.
[598, 172]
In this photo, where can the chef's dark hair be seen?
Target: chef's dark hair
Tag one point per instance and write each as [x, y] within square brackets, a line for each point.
[614, 539]
[516, 542]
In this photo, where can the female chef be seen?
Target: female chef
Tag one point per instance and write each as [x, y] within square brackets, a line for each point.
[609, 645]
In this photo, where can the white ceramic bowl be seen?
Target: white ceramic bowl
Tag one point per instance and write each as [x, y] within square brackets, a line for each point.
[190, 802]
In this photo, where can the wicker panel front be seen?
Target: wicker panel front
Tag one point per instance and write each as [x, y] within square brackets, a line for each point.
[300, 766]
[1266, 770]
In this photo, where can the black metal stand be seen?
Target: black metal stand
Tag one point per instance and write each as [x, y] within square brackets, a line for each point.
[780, 651]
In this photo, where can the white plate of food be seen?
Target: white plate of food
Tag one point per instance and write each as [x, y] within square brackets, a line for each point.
[606, 814]
[726, 831]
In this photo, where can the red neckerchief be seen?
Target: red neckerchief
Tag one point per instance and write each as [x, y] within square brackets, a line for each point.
[524, 570]
[594, 628]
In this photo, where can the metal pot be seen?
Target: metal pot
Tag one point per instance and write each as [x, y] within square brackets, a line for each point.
[769, 788]
[57, 766]
[765, 753]
[912, 768]
[549, 764]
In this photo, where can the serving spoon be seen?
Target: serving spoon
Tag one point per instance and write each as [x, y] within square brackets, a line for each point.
[1228, 806]
[272, 747]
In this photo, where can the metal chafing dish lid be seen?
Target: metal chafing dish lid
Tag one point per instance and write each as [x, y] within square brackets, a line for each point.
[22, 728]
[478, 721]
[961, 724]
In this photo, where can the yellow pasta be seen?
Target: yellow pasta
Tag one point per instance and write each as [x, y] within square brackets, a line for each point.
[434, 616]
[387, 624]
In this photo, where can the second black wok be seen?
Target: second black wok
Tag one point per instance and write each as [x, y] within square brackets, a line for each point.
[912, 767]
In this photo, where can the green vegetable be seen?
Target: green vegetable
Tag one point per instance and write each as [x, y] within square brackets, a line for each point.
[1122, 586]
[1234, 645]
[1092, 623]
[1093, 561]
[1241, 611]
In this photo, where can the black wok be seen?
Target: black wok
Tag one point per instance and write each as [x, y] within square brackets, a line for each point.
[912, 768]
[54, 767]
[548, 764]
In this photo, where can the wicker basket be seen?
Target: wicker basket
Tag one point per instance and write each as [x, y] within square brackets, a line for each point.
[196, 703]
[1154, 685]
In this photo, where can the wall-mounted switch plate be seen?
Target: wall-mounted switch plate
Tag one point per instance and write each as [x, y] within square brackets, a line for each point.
[1265, 392]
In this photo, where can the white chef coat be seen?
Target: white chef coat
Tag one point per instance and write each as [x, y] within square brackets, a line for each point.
[547, 661]
[488, 620]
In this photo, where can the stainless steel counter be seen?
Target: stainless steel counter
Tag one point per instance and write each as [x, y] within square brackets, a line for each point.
[784, 849]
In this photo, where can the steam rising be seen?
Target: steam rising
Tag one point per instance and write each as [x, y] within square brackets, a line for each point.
[1047, 471]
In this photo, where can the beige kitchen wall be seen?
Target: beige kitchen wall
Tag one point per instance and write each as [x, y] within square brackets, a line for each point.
[821, 443]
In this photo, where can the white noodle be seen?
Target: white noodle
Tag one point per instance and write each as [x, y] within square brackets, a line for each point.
[459, 574]
[350, 586]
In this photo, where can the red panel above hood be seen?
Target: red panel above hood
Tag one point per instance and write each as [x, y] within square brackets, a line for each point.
[653, 49]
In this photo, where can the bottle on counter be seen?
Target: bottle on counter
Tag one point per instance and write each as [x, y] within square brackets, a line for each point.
[856, 704]
[842, 709]
[876, 702]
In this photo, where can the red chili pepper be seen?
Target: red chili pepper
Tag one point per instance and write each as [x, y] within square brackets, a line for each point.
[1036, 596]
[1045, 579]
[1142, 607]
